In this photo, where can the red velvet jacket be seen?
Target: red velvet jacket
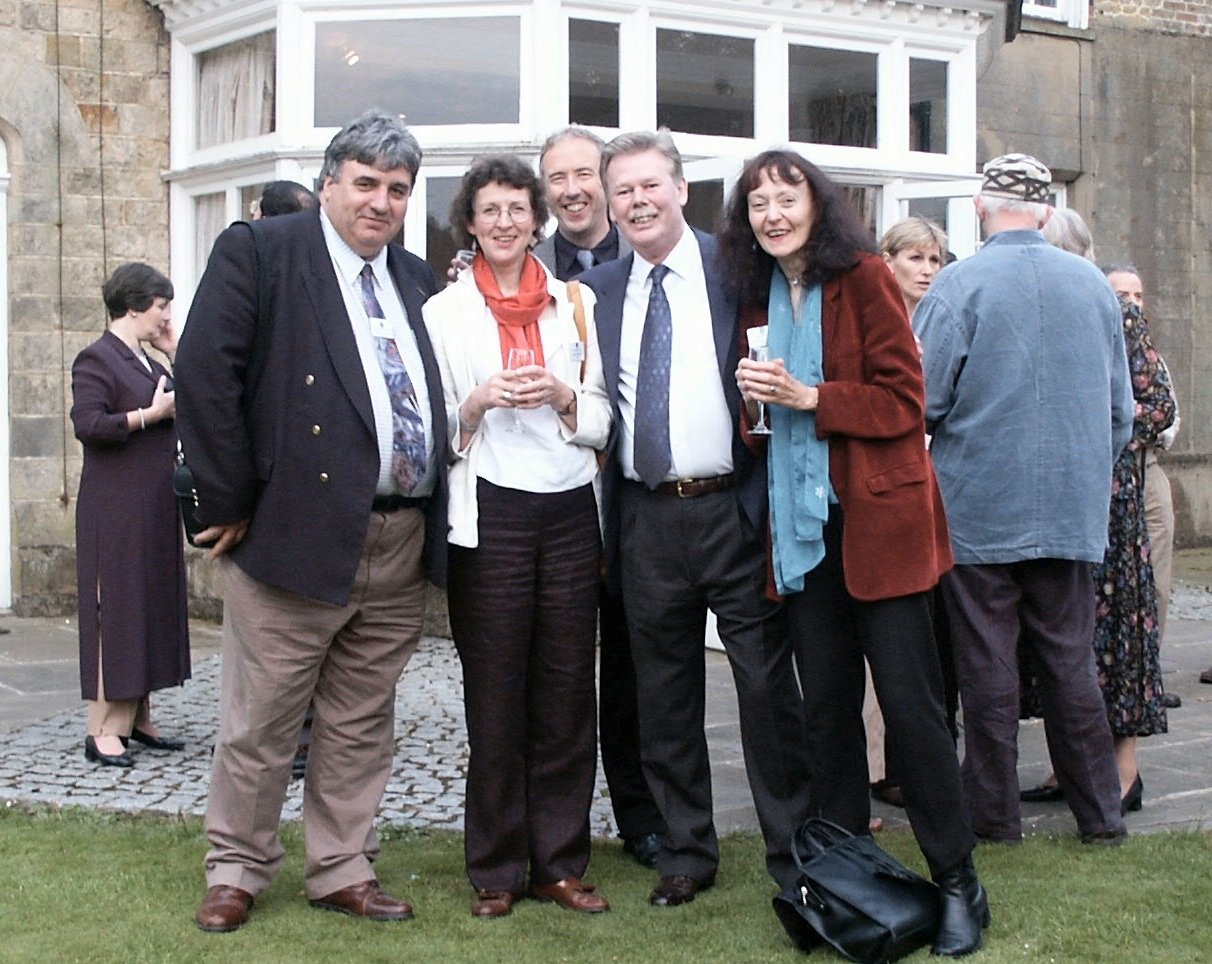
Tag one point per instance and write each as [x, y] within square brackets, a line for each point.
[895, 538]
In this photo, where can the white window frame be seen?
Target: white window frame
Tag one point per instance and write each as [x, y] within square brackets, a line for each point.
[1072, 13]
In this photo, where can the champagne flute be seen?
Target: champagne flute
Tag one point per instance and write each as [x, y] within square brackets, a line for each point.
[760, 353]
[519, 358]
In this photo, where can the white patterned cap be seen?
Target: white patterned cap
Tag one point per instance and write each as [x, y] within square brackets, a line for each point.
[1017, 176]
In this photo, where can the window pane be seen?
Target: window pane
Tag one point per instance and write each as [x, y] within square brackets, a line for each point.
[833, 96]
[439, 244]
[463, 71]
[927, 106]
[704, 83]
[593, 73]
[210, 218]
[705, 204]
[236, 91]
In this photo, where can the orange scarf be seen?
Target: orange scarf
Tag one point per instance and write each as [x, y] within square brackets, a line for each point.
[517, 315]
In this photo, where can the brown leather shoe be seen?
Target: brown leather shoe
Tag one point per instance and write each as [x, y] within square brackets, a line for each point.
[492, 903]
[572, 894]
[678, 889]
[223, 909]
[366, 899]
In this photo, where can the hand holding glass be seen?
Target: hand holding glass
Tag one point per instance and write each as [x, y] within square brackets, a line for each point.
[519, 358]
[760, 353]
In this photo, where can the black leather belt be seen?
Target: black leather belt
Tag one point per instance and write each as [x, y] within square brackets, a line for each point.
[693, 488]
[394, 503]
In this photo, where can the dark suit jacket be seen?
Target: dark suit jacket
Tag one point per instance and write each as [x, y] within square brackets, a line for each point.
[894, 529]
[609, 283]
[545, 251]
[301, 461]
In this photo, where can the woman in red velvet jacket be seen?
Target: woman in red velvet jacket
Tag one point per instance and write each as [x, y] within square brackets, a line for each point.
[858, 534]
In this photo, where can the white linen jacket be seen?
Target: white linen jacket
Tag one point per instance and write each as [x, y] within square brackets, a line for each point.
[458, 320]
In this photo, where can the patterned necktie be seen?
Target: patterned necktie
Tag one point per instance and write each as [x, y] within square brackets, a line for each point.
[652, 454]
[409, 451]
[584, 259]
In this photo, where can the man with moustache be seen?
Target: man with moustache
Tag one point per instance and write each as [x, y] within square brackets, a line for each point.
[315, 429]
[685, 520]
[569, 165]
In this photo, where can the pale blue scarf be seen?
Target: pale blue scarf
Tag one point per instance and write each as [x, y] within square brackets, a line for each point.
[800, 491]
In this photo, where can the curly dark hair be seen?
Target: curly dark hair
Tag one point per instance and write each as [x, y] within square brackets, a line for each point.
[837, 237]
[506, 169]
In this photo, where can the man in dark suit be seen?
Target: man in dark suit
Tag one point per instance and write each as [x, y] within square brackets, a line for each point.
[316, 434]
[569, 167]
[685, 508]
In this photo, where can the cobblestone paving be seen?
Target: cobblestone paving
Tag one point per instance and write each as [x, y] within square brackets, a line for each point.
[43, 763]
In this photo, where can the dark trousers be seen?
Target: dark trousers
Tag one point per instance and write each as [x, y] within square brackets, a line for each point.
[635, 812]
[1048, 605]
[832, 632]
[679, 558]
[523, 609]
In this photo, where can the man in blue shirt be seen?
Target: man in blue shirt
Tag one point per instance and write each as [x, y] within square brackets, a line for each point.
[1029, 402]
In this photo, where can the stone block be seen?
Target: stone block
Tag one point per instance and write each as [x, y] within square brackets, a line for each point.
[36, 435]
[37, 393]
[29, 312]
[38, 16]
[45, 522]
[38, 479]
[33, 352]
[62, 50]
[100, 117]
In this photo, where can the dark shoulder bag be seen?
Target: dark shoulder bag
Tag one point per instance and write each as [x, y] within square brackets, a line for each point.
[861, 901]
[183, 478]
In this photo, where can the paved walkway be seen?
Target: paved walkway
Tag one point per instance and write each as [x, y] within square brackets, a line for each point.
[42, 731]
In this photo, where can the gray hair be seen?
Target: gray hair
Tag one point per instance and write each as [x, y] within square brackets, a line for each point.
[997, 205]
[1124, 267]
[1068, 231]
[574, 130]
[376, 138]
[637, 141]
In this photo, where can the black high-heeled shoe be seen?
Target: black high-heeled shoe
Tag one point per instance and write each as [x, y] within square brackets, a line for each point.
[93, 755]
[1133, 800]
[1044, 793]
[156, 742]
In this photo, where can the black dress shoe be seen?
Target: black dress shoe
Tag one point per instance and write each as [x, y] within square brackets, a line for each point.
[889, 792]
[1206, 675]
[1171, 701]
[93, 755]
[1134, 799]
[963, 911]
[677, 889]
[1044, 793]
[645, 848]
[155, 742]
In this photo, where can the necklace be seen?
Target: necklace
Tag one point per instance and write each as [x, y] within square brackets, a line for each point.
[794, 282]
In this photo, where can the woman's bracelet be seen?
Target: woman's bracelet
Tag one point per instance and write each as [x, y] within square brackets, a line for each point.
[466, 426]
[142, 421]
[569, 409]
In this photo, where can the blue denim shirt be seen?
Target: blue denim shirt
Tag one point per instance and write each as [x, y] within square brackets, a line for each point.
[1028, 398]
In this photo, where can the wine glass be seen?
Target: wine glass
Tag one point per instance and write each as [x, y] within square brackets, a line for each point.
[760, 353]
[519, 358]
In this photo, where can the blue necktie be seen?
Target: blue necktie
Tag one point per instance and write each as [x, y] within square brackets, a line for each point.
[652, 454]
[409, 452]
[584, 258]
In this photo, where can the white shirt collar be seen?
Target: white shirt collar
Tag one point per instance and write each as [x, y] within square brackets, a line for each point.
[347, 261]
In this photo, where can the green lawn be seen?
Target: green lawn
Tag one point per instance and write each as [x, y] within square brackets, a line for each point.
[96, 887]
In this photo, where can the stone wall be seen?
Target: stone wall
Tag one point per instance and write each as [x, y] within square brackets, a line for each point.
[1193, 17]
[1121, 112]
[84, 118]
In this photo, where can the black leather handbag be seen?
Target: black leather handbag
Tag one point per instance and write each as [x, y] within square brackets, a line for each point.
[861, 901]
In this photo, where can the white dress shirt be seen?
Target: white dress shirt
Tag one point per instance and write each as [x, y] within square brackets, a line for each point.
[700, 425]
[348, 265]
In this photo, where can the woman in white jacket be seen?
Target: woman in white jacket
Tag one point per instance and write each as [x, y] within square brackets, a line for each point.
[524, 541]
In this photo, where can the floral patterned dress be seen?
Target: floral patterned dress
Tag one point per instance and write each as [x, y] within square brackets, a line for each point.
[1126, 631]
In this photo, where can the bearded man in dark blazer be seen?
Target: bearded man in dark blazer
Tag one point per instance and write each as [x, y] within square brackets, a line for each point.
[316, 434]
[685, 521]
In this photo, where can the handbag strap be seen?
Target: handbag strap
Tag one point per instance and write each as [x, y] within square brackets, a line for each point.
[814, 837]
[578, 317]
[263, 328]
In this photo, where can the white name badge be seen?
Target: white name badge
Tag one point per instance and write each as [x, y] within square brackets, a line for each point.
[576, 351]
[380, 328]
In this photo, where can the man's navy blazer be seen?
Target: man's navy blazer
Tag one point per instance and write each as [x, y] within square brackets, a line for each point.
[609, 283]
[300, 457]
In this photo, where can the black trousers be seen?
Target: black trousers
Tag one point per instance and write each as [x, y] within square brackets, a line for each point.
[832, 632]
[1047, 605]
[523, 609]
[635, 812]
[679, 558]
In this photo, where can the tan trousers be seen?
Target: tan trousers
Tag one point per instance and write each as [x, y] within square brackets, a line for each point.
[280, 651]
[1159, 520]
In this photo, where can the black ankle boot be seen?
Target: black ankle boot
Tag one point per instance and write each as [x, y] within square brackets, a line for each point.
[963, 911]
